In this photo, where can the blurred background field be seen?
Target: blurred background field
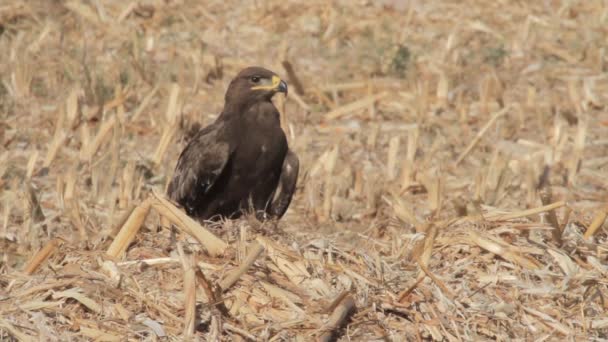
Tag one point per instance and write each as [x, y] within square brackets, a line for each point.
[453, 182]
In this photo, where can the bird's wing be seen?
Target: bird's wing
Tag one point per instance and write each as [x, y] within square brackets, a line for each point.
[199, 166]
[281, 198]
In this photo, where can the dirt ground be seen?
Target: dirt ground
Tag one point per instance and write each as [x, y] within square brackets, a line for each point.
[453, 182]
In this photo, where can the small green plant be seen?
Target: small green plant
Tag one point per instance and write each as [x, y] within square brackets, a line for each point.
[495, 55]
[401, 60]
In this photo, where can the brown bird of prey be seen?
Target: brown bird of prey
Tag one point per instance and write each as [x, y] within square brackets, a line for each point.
[241, 162]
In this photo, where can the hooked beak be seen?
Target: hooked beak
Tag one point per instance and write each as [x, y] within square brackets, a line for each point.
[276, 84]
[282, 88]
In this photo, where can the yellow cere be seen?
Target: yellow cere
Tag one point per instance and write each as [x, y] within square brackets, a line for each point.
[275, 84]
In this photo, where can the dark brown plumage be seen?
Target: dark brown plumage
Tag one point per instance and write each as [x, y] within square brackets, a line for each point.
[240, 162]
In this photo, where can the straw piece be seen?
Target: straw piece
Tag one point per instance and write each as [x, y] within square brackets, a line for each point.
[75, 293]
[597, 222]
[214, 245]
[546, 198]
[36, 305]
[172, 107]
[34, 204]
[504, 250]
[73, 209]
[295, 273]
[286, 297]
[564, 262]
[41, 256]
[215, 329]
[481, 133]
[99, 335]
[188, 263]
[437, 281]
[393, 149]
[156, 306]
[144, 103]
[403, 295]
[212, 292]
[14, 332]
[351, 86]
[549, 321]
[337, 319]
[558, 52]
[111, 270]
[525, 213]
[121, 221]
[163, 144]
[44, 287]
[84, 11]
[129, 230]
[239, 331]
[56, 144]
[255, 249]
[353, 106]
[295, 80]
[88, 150]
[300, 101]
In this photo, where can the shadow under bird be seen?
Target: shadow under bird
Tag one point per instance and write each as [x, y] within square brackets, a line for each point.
[241, 162]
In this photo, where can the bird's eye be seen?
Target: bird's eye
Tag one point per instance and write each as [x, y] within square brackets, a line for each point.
[255, 79]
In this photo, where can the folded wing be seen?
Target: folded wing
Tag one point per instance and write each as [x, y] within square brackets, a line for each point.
[286, 188]
[199, 166]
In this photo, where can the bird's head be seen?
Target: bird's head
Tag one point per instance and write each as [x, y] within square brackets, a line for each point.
[255, 84]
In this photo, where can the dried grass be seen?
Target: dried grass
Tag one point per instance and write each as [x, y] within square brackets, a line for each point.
[453, 182]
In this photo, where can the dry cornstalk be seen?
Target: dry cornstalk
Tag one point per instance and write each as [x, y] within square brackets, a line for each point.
[214, 245]
[422, 253]
[18, 335]
[549, 321]
[75, 293]
[409, 290]
[188, 264]
[597, 222]
[172, 106]
[525, 213]
[89, 149]
[407, 170]
[163, 144]
[58, 142]
[295, 272]
[255, 249]
[353, 106]
[129, 229]
[504, 250]
[481, 133]
[99, 335]
[144, 103]
[153, 304]
[73, 208]
[295, 80]
[355, 85]
[239, 331]
[34, 204]
[546, 198]
[437, 281]
[337, 319]
[393, 150]
[44, 287]
[41, 256]
[121, 221]
[215, 329]
[300, 101]
[31, 164]
[212, 292]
